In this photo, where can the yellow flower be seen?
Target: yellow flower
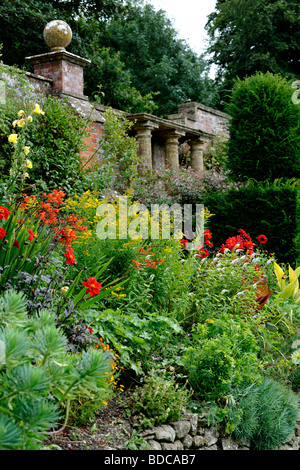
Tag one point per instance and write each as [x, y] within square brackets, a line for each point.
[15, 122]
[20, 123]
[13, 138]
[104, 403]
[168, 249]
[26, 150]
[28, 163]
[25, 175]
[29, 119]
[21, 112]
[38, 110]
[210, 321]
[64, 289]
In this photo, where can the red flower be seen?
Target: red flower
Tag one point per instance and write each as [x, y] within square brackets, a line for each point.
[89, 328]
[207, 234]
[202, 252]
[32, 235]
[93, 287]
[262, 239]
[4, 213]
[16, 243]
[184, 243]
[70, 257]
[2, 233]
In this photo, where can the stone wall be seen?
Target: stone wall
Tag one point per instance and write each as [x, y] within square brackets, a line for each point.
[192, 433]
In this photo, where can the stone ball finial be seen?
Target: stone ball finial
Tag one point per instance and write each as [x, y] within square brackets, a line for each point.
[57, 35]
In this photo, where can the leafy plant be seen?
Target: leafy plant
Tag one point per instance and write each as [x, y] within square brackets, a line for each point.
[39, 377]
[291, 289]
[265, 413]
[159, 400]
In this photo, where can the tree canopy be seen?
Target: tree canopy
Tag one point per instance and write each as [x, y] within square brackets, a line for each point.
[158, 60]
[136, 57]
[247, 36]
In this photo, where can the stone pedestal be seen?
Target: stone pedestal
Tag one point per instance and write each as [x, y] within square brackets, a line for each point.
[63, 68]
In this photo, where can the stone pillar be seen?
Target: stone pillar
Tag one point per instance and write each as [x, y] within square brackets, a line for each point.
[197, 155]
[144, 139]
[172, 148]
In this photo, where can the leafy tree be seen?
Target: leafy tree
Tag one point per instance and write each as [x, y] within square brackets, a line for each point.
[254, 35]
[157, 60]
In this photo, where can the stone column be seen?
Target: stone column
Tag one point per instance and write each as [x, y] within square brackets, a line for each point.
[197, 155]
[144, 138]
[172, 148]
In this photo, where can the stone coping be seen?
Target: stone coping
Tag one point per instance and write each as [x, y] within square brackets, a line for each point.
[58, 55]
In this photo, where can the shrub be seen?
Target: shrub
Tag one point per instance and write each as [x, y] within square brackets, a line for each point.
[264, 130]
[158, 401]
[265, 413]
[119, 159]
[268, 208]
[54, 141]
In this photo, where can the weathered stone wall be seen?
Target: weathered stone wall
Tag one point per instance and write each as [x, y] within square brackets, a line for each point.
[192, 433]
[203, 118]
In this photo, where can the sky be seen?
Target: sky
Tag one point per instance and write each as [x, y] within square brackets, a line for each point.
[189, 18]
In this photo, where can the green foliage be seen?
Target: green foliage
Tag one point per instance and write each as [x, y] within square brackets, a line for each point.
[265, 413]
[210, 369]
[246, 36]
[120, 158]
[157, 60]
[23, 24]
[268, 208]
[114, 83]
[54, 140]
[57, 141]
[39, 377]
[264, 129]
[225, 357]
[158, 401]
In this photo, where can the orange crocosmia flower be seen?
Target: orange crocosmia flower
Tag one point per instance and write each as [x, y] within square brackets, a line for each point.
[4, 213]
[66, 236]
[137, 263]
[32, 235]
[56, 198]
[93, 287]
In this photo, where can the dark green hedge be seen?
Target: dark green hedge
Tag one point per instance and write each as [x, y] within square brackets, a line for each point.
[272, 209]
[264, 139]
